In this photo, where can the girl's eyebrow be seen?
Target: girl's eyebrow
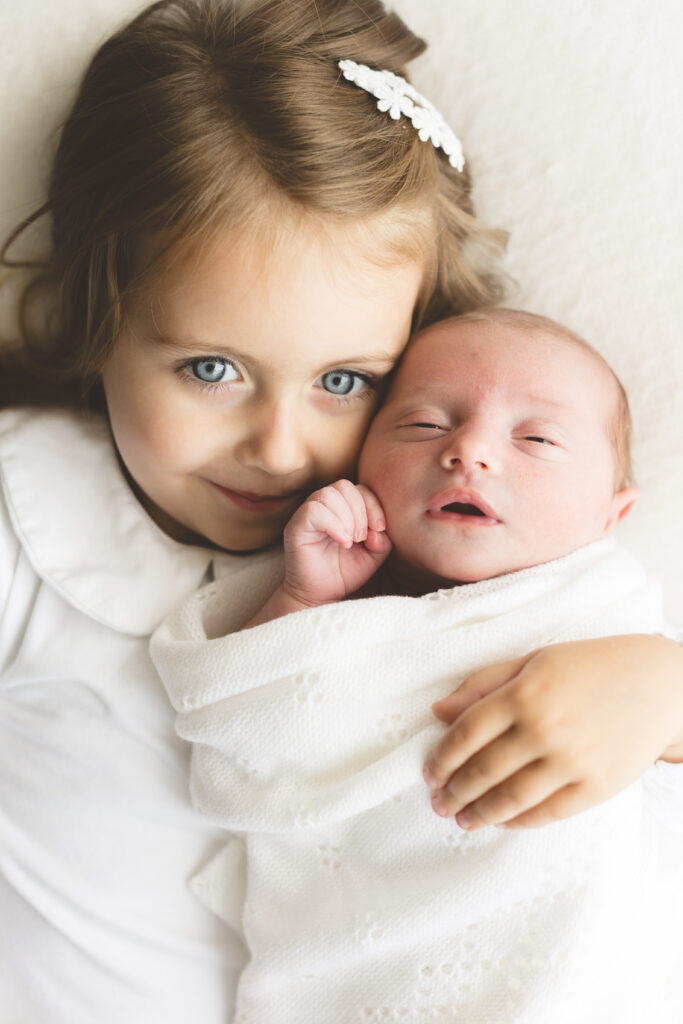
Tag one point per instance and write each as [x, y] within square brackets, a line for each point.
[376, 359]
[189, 344]
[183, 344]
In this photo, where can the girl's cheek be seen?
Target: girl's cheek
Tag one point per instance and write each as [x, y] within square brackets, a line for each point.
[153, 433]
[339, 445]
[174, 447]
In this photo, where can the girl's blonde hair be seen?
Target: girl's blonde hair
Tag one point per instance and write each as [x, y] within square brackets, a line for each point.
[201, 116]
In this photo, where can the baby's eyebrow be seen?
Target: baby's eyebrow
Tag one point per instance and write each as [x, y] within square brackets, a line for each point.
[534, 407]
[415, 413]
[551, 403]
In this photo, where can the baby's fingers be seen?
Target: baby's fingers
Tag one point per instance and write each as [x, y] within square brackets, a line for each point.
[336, 510]
[343, 498]
[472, 731]
[373, 509]
[356, 509]
[475, 687]
[314, 521]
[378, 544]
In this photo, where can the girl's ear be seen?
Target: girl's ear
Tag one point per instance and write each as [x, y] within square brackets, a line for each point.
[622, 503]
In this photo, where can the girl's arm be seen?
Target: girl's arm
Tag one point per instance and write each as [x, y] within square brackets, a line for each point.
[557, 731]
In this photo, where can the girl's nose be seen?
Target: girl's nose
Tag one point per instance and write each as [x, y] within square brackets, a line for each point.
[469, 446]
[274, 439]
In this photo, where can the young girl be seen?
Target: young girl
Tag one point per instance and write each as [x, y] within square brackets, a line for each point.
[241, 245]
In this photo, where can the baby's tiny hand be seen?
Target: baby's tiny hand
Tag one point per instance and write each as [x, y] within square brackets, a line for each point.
[334, 543]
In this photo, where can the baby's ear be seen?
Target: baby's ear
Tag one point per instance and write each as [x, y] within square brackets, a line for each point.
[622, 503]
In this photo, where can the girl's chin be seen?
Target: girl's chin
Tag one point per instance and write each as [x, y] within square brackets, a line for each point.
[239, 538]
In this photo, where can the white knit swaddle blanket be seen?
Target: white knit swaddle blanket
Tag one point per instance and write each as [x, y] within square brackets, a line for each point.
[358, 903]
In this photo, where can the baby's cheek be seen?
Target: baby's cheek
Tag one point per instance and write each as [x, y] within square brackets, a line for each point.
[382, 475]
[571, 518]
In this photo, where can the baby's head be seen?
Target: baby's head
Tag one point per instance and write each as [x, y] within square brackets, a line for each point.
[503, 443]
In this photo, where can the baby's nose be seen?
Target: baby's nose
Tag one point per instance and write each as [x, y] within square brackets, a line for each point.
[469, 447]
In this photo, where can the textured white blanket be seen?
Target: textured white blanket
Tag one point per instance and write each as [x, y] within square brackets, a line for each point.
[358, 903]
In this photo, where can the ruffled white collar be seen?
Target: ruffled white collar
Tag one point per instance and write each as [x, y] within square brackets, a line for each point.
[84, 531]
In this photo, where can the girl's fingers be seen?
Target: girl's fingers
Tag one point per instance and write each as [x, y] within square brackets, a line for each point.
[474, 729]
[529, 788]
[499, 761]
[561, 804]
[477, 686]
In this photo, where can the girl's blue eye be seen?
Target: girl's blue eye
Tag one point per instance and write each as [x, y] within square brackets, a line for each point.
[213, 370]
[343, 382]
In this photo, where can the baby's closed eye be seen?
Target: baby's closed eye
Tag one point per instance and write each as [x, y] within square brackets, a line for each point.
[422, 429]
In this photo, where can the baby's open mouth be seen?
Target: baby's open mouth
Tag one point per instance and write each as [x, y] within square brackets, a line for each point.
[463, 509]
[463, 505]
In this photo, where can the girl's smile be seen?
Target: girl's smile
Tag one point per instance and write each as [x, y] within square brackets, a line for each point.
[247, 376]
[258, 502]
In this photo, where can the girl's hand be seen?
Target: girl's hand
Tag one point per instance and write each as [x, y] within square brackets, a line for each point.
[557, 731]
[334, 543]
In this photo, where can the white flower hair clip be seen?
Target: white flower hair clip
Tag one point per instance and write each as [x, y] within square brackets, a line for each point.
[396, 96]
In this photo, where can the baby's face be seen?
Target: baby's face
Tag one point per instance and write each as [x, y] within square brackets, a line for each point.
[492, 453]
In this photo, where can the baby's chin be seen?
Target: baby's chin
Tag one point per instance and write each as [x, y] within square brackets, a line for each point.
[421, 579]
[414, 578]
[411, 578]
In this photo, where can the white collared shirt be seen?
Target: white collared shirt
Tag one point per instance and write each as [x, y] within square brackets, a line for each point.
[97, 835]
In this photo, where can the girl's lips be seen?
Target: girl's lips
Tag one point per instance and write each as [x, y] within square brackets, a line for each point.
[257, 502]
